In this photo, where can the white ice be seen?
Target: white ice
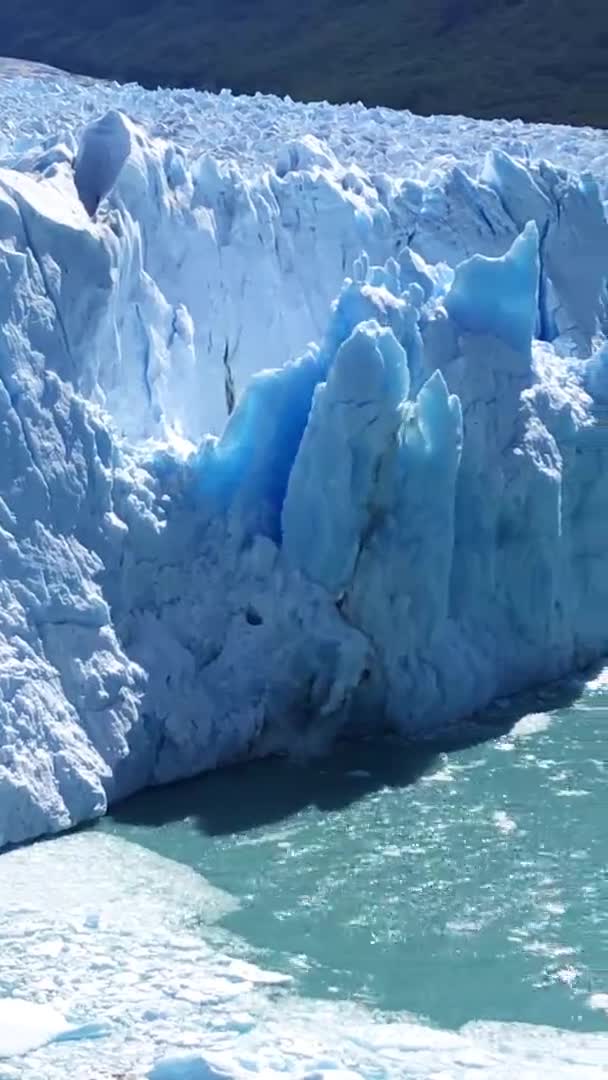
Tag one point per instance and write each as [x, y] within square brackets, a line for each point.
[218, 539]
[25, 1025]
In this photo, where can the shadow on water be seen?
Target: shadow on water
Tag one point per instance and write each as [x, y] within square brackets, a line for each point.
[258, 793]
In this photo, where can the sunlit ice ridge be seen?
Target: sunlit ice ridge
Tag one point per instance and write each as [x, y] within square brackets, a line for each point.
[303, 423]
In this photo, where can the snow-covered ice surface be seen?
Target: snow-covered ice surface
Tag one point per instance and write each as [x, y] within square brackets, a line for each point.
[119, 945]
[389, 531]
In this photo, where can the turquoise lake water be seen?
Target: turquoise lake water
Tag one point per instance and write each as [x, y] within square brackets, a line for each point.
[458, 886]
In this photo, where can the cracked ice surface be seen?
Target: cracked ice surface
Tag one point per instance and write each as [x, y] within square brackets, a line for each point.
[391, 527]
[253, 132]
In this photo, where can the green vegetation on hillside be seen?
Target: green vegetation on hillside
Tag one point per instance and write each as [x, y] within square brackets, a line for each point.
[534, 59]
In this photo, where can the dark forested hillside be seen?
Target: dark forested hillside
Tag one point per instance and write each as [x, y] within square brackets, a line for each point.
[536, 59]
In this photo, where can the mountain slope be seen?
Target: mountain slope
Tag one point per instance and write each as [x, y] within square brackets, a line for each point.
[535, 59]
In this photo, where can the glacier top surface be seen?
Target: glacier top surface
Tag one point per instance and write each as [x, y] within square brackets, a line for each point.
[38, 103]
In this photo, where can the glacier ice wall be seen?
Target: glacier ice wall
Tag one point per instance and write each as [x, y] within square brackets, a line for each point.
[209, 549]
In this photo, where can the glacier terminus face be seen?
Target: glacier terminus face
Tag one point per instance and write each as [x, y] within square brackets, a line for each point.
[303, 424]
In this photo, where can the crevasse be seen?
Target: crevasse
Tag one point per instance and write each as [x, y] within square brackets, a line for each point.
[209, 549]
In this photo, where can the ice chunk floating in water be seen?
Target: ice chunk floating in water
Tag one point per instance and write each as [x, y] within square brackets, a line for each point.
[218, 539]
[26, 1025]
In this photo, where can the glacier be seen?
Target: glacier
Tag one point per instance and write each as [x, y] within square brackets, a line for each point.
[304, 429]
